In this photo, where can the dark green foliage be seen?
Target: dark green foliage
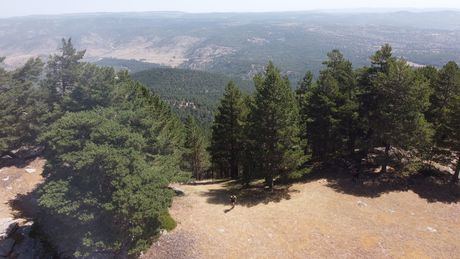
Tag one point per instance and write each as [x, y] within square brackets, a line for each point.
[303, 94]
[101, 183]
[20, 106]
[227, 133]
[273, 127]
[452, 139]
[189, 92]
[63, 72]
[166, 221]
[444, 111]
[446, 86]
[401, 98]
[112, 148]
[331, 110]
[196, 159]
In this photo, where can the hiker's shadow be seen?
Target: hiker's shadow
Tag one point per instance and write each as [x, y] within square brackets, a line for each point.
[228, 210]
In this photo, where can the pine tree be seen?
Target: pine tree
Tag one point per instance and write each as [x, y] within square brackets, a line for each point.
[274, 126]
[444, 111]
[195, 155]
[445, 88]
[302, 95]
[63, 71]
[401, 99]
[20, 106]
[332, 110]
[452, 138]
[227, 133]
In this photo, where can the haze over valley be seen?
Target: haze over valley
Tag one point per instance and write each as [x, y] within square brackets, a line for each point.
[236, 44]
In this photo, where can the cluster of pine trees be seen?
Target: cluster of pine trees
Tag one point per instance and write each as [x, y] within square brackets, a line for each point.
[111, 146]
[346, 114]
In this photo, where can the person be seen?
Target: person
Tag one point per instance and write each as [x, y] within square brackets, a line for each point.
[233, 200]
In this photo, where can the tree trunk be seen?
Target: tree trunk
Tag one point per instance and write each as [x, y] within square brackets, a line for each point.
[234, 168]
[457, 172]
[269, 181]
[385, 159]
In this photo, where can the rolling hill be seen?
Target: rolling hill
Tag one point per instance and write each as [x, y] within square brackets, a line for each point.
[236, 44]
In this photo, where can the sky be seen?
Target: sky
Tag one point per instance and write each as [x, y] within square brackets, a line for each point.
[10, 8]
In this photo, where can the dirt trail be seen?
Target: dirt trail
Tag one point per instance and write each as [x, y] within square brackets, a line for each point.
[310, 220]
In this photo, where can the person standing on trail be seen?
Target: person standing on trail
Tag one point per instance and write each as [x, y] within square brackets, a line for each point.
[233, 200]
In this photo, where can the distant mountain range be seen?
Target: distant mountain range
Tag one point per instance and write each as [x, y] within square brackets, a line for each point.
[236, 44]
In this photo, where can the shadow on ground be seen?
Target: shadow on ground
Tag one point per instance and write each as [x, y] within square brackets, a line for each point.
[248, 196]
[429, 184]
[17, 162]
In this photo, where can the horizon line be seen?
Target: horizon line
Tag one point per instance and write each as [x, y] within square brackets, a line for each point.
[362, 10]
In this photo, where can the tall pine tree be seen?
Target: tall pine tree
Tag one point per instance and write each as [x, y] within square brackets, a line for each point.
[274, 126]
[401, 99]
[227, 133]
[195, 155]
[332, 110]
[302, 94]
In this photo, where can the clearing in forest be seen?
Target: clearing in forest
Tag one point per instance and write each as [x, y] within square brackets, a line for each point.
[324, 217]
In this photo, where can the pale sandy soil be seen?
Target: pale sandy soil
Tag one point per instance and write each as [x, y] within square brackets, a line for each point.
[18, 179]
[310, 220]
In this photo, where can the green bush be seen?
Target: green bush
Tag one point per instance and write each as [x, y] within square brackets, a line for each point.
[167, 222]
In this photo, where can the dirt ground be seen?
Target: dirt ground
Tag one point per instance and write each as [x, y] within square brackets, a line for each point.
[323, 217]
[17, 178]
[309, 220]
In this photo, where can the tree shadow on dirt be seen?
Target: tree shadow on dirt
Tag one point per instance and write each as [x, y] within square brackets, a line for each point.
[7, 161]
[429, 184]
[25, 206]
[248, 196]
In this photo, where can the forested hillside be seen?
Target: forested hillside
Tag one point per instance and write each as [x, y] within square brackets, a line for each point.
[189, 92]
[130, 65]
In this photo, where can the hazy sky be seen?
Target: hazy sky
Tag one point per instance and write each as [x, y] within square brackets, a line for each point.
[10, 8]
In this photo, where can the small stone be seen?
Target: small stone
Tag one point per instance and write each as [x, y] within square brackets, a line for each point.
[362, 204]
[30, 170]
[432, 230]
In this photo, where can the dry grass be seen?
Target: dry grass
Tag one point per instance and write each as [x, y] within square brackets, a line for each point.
[309, 220]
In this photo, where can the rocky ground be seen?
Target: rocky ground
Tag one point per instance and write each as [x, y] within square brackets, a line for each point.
[315, 219]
